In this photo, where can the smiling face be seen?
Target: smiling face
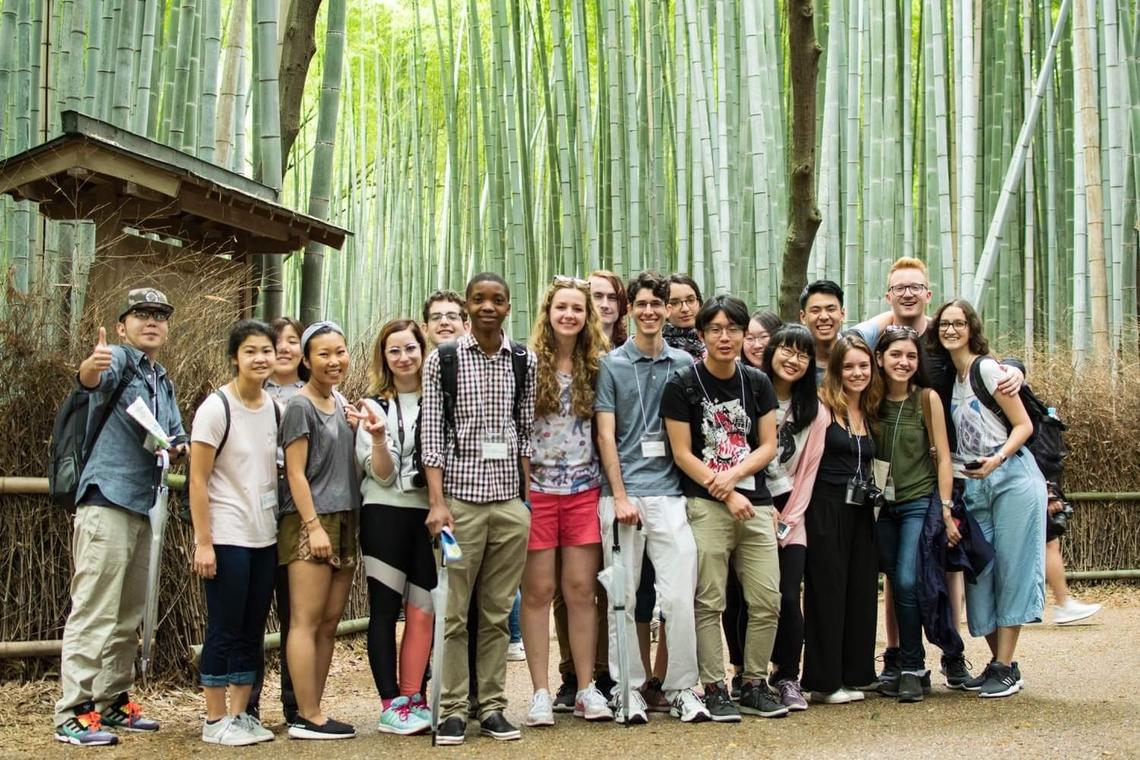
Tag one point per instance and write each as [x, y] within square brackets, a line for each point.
[402, 355]
[789, 363]
[445, 321]
[488, 305]
[683, 305]
[649, 313]
[255, 359]
[953, 328]
[605, 300]
[899, 361]
[328, 358]
[144, 328]
[723, 338]
[908, 293]
[288, 352]
[856, 371]
[823, 315]
[755, 341]
[567, 313]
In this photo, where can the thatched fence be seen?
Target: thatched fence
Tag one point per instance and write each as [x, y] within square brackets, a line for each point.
[35, 567]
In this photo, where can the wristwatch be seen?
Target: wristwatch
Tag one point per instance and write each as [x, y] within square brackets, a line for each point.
[947, 504]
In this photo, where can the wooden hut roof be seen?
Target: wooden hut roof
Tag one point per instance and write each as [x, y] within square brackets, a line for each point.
[95, 169]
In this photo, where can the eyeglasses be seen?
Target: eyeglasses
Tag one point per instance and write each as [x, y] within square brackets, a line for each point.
[790, 353]
[395, 352]
[148, 314]
[899, 290]
[676, 303]
[958, 325]
[756, 338]
[450, 316]
[909, 332]
[563, 281]
[656, 303]
[715, 331]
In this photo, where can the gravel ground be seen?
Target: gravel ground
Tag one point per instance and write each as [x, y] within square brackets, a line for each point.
[1079, 700]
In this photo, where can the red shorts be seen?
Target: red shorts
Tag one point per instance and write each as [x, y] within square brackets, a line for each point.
[564, 519]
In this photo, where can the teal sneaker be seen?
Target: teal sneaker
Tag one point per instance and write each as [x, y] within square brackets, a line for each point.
[399, 719]
[85, 728]
[126, 714]
[420, 707]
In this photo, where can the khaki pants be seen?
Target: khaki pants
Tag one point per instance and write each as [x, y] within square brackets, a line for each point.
[493, 538]
[110, 550]
[751, 546]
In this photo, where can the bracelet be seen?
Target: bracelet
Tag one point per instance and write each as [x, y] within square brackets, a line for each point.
[311, 520]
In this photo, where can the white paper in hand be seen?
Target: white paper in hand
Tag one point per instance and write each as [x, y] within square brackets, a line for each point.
[140, 413]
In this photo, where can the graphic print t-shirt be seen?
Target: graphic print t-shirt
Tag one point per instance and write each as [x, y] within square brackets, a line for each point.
[724, 422]
[980, 431]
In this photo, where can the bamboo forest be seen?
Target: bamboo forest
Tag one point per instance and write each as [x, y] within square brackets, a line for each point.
[997, 140]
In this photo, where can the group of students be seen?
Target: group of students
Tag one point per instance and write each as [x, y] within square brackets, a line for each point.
[733, 459]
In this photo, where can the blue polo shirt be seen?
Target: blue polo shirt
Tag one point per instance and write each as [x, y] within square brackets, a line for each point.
[630, 385]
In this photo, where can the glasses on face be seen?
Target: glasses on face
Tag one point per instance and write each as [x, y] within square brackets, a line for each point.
[562, 281]
[957, 325]
[753, 339]
[395, 352]
[715, 331]
[787, 352]
[450, 316]
[656, 303]
[676, 303]
[899, 290]
[909, 332]
[148, 314]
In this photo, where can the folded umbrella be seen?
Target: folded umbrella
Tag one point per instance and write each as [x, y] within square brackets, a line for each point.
[157, 517]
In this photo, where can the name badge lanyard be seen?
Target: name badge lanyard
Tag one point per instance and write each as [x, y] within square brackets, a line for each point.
[641, 402]
[890, 484]
[851, 437]
[400, 434]
[494, 444]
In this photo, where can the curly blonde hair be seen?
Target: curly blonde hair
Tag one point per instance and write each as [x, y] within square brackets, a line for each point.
[589, 349]
[831, 391]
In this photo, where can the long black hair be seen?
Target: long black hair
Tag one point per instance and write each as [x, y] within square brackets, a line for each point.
[805, 401]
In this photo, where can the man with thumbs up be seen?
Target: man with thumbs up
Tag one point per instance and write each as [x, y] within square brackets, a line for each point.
[111, 542]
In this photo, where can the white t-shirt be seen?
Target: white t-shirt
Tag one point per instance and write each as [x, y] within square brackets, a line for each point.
[243, 484]
[397, 490]
[789, 447]
[979, 430]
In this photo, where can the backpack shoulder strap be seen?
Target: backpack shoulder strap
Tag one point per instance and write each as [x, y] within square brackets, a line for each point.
[688, 377]
[926, 415]
[518, 366]
[449, 380]
[978, 385]
[226, 411]
[108, 409]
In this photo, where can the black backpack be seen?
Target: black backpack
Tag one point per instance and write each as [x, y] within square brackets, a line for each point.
[72, 443]
[449, 385]
[1047, 444]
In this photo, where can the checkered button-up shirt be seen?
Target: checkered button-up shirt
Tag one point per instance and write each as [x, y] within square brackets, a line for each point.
[484, 408]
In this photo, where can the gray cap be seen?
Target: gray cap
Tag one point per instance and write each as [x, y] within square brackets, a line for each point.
[146, 297]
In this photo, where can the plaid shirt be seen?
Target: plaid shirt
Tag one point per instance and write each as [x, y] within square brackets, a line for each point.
[484, 405]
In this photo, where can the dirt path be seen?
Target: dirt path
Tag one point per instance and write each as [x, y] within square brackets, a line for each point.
[1080, 700]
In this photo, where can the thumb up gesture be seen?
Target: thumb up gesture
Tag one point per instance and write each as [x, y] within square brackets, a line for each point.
[97, 362]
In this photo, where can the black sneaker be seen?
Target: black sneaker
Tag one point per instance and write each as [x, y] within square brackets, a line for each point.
[1001, 683]
[909, 688]
[976, 683]
[891, 669]
[1017, 674]
[452, 731]
[330, 729]
[497, 727]
[891, 688]
[956, 671]
[564, 699]
[604, 682]
[737, 685]
[757, 699]
[719, 704]
[291, 715]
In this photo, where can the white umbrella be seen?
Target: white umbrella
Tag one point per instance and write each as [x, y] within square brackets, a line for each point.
[157, 516]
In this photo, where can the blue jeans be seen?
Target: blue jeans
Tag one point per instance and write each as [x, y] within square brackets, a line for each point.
[513, 620]
[897, 534]
[237, 604]
[1009, 506]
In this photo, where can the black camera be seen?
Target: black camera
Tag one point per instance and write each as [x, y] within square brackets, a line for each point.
[1059, 520]
[864, 493]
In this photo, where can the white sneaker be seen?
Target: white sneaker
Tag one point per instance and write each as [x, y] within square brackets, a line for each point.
[837, 697]
[637, 714]
[253, 726]
[1073, 611]
[689, 707]
[591, 705]
[516, 652]
[855, 695]
[227, 732]
[541, 710]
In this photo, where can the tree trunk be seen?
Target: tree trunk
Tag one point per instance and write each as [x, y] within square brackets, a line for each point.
[297, 52]
[804, 216]
[231, 69]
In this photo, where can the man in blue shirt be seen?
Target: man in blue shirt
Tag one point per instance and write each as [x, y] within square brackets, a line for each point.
[111, 543]
[643, 486]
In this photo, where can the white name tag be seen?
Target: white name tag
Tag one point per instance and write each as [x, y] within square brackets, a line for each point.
[652, 449]
[269, 496]
[495, 450]
[747, 483]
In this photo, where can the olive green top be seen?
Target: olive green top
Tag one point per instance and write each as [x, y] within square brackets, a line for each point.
[901, 439]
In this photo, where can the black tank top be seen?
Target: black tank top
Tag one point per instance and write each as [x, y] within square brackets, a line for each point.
[842, 453]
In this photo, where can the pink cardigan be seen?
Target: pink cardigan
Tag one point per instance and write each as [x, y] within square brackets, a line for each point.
[803, 480]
